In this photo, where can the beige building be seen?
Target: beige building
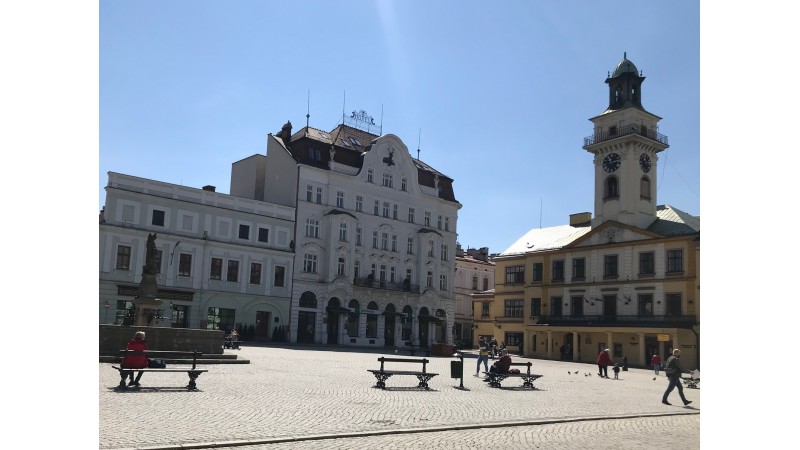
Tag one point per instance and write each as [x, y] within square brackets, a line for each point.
[627, 279]
[474, 274]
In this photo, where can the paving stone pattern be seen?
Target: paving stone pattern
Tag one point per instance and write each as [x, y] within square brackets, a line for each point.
[294, 392]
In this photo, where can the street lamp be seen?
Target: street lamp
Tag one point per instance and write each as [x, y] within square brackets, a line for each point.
[105, 318]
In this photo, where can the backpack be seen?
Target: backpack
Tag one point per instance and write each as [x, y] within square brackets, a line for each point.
[156, 364]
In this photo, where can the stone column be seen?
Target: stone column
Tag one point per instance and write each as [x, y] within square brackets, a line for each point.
[610, 343]
[642, 354]
[549, 344]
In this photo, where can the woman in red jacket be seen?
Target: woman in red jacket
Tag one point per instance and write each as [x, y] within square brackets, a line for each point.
[603, 361]
[136, 361]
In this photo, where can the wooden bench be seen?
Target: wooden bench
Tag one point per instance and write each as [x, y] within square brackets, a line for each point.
[193, 372]
[527, 377]
[382, 375]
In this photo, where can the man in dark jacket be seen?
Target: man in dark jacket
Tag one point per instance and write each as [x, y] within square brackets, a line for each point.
[673, 370]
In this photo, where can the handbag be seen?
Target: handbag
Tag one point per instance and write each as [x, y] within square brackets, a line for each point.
[156, 364]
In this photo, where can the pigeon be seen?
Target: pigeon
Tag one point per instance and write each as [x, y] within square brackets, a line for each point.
[586, 374]
[569, 373]
[654, 378]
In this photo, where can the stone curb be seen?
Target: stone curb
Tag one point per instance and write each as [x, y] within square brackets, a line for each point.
[318, 437]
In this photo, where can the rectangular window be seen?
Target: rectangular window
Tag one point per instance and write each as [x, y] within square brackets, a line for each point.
[674, 261]
[357, 268]
[279, 276]
[244, 232]
[377, 207]
[187, 222]
[556, 306]
[387, 179]
[158, 217]
[558, 270]
[515, 274]
[314, 154]
[485, 309]
[185, 265]
[309, 193]
[386, 209]
[216, 269]
[485, 284]
[579, 268]
[474, 283]
[394, 212]
[255, 273]
[646, 305]
[410, 246]
[123, 257]
[444, 252]
[647, 263]
[443, 282]
[340, 199]
[358, 235]
[429, 279]
[610, 266]
[310, 263]
[536, 307]
[343, 232]
[312, 228]
[514, 308]
[431, 244]
[233, 271]
[404, 184]
[220, 318]
[408, 276]
[674, 305]
[340, 267]
[446, 224]
[385, 241]
[394, 242]
[374, 239]
[538, 269]
[410, 215]
[427, 218]
[359, 203]
[263, 234]
[369, 176]
[576, 305]
[514, 339]
[392, 275]
[439, 223]
[319, 195]
[383, 274]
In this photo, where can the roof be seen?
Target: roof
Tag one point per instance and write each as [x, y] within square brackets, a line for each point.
[670, 221]
[625, 66]
[550, 238]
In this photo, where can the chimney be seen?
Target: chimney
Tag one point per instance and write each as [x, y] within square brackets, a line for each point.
[583, 219]
[210, 188]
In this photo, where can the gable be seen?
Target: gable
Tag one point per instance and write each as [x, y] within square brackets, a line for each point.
[611, 232]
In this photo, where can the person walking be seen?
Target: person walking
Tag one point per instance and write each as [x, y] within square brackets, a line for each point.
[483, 355]
[673, 369]
[655, 362]
[603, 361]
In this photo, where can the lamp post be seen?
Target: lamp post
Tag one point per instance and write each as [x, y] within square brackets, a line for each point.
[105, 318]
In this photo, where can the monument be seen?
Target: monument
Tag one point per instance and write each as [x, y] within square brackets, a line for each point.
[146, 305]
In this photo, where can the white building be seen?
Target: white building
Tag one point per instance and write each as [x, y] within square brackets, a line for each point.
[375, 235]
[224, 260]
[474, 274]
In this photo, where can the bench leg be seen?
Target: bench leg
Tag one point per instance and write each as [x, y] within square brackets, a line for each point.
[423, 380]
[193, 376]
[381, 377]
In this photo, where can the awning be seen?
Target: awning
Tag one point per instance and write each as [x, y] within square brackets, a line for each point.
[337, 309]
[429, 319]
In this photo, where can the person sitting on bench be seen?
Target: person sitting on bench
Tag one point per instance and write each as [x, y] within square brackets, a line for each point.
[501, 365]
[136, 361]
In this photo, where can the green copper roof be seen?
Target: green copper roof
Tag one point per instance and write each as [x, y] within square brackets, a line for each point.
[625, 66]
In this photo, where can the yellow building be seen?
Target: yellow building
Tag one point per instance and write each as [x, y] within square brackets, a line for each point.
[627, 279]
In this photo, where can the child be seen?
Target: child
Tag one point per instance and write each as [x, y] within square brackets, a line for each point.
[616, 371]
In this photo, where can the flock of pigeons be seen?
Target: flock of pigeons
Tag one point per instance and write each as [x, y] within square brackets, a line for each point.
[586, 374]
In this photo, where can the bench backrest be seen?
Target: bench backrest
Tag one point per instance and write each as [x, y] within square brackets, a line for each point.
[424, 361]
[126, 352]
[528, 364]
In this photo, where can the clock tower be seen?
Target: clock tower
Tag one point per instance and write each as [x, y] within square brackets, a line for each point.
[625, 145]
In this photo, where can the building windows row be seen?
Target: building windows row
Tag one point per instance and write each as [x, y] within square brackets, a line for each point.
[644, 306]
[514, 308]
[515, 274]
[475, 283]
[611, 188]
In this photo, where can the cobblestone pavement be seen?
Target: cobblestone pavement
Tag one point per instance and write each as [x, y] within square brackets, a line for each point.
[299, 392]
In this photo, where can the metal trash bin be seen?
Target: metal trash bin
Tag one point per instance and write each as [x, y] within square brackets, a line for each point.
[456, 369]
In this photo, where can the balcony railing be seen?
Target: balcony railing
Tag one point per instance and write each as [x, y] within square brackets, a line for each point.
[622, 320]
[624, 131]
[370, 282]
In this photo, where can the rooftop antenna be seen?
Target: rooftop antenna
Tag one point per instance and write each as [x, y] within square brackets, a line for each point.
[418, 142]
[308, 109]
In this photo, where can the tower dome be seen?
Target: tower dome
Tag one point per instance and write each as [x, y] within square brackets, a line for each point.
[625, 66]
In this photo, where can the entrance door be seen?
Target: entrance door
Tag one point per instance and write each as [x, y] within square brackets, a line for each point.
[262, 325]
[333, 328]
[306, 322]
[388, 331]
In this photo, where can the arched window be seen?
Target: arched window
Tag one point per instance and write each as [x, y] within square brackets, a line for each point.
[612, 188]
[645, 188]
[308, 300]
[352, 318]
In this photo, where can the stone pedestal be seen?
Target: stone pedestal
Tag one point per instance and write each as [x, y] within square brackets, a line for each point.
[146, 303]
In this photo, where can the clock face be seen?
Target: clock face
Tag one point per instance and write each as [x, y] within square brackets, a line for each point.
[644, 163]
[611, 162]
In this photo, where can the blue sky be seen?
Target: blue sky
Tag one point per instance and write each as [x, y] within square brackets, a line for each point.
[497, 96]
